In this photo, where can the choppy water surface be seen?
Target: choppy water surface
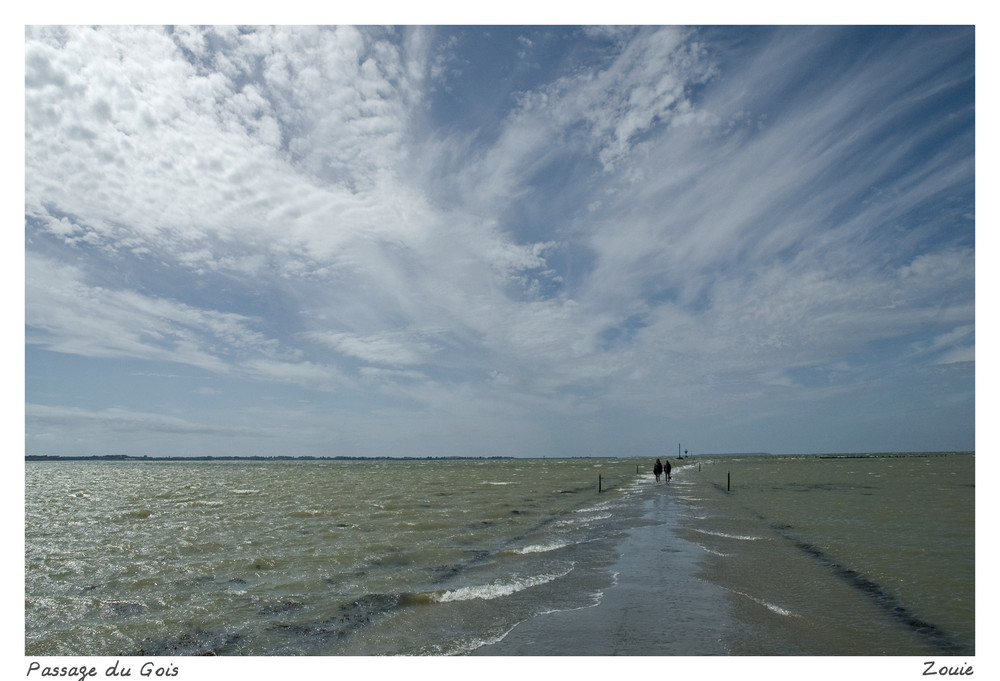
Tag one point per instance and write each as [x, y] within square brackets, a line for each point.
[312, 557]
[842, 555]
[815, 556]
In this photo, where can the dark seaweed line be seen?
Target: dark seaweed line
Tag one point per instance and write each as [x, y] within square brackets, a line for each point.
[944, 641]
[886, 601]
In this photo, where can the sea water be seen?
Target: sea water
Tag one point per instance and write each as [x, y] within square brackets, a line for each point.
[814, 556]
[320, 557]
[839, 555]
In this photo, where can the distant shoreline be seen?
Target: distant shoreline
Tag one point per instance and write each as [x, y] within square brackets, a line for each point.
[127, 457]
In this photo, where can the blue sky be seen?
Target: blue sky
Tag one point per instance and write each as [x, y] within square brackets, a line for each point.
[514, 240]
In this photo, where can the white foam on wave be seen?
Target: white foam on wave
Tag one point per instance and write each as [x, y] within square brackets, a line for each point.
[465, 646]
[472, 644]
[582, 520]
[497, 589]
[593, 517]
[770, 606]
[595, 600]
[490, 482]
[603, 506]
[542, 548]
[726, 535]
[714, 553]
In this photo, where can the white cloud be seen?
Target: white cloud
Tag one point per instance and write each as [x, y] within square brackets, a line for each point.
[390, 348]
[187, 156]
[68, 315]
[84, 422]
[642, 231]
[302, 373]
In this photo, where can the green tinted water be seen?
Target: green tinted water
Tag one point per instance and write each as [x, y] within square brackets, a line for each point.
[840, 556]
[311, 557]
[828, 556]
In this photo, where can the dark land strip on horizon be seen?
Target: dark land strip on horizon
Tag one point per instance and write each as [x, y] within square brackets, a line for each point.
[385, 457]
[129, 457]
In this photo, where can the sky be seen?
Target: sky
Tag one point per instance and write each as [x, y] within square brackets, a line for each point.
[498, 240]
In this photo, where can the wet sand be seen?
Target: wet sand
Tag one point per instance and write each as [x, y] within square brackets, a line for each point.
[657, 607]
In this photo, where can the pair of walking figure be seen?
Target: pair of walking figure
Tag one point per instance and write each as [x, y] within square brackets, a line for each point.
[659, 468]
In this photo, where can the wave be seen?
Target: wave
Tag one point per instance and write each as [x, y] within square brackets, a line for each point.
[714, 553]
[595, 600]
[604, 506]
[466, 645]
[582, 521]
[122, 608]
[770, 606]
[726, 535]
[313, 513]
[541, 548]
[432, 524]
[497, 589]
